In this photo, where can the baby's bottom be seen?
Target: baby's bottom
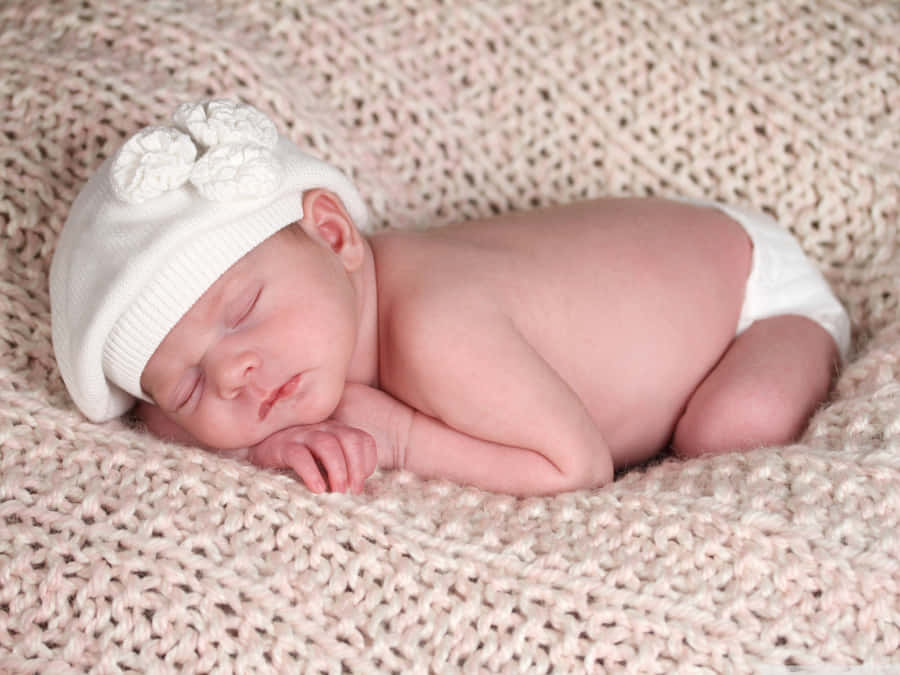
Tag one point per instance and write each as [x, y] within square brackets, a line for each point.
[792, 335]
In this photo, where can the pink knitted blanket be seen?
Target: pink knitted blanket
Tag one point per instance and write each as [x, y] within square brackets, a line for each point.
[119, 553]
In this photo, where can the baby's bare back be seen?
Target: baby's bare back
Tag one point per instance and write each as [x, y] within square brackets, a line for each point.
[630, 302]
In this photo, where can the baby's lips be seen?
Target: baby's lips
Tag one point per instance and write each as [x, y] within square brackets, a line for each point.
[284, 391]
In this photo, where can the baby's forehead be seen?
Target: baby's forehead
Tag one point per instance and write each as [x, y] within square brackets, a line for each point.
[231, 282]
[206, 307]
[255, 259]
[227, 284]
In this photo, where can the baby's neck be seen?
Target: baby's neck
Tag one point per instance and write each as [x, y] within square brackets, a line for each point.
[364, 362]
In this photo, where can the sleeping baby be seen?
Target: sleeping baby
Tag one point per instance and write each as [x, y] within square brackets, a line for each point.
[219, 277]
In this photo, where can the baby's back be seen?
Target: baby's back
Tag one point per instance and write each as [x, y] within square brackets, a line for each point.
[632, 302]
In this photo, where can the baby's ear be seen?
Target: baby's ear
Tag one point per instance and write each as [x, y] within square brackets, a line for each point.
[326, 220]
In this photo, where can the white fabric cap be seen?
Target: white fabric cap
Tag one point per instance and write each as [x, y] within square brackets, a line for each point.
[156, 225]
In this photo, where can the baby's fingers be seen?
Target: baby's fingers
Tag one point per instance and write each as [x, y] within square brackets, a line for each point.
[361, 457]
[300, 459]
[327, 449]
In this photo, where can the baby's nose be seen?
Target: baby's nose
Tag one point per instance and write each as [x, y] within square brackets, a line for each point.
[235, 372]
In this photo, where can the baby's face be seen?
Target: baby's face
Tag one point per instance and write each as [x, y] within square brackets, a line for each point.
[266, 347]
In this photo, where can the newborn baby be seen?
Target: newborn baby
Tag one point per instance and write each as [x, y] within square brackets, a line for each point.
[218, 275]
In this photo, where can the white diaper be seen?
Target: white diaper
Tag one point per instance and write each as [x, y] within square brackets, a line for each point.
[783, 280]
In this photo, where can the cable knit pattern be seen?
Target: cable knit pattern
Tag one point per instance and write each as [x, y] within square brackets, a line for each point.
[120, 553]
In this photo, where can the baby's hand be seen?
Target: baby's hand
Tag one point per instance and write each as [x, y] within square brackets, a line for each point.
[381, 415]
[345, 455]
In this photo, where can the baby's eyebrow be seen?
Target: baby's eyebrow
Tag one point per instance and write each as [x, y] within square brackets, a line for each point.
[208, 307]
[225, 289]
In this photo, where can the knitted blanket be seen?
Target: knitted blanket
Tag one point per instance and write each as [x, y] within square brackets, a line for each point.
[121, 553]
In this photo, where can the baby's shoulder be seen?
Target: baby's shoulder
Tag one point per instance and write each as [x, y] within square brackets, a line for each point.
[431, 314]
[423, 278]
[428, 334]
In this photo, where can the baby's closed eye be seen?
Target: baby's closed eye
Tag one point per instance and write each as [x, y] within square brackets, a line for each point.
[241, 306]
[189, 387]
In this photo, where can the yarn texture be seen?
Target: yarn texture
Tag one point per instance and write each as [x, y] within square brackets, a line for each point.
[120, 553]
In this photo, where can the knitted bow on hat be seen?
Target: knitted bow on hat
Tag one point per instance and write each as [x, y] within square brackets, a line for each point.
[234, 141]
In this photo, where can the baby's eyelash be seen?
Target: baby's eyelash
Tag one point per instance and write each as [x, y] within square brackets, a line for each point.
[189, 391]
[245, 310]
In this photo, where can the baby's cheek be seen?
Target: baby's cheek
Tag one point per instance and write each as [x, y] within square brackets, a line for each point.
[230, 436]
[159, 424]
[205, 428]
[219, 429]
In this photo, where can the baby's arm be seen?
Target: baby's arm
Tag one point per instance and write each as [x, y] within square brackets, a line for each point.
[500, 417]
[409, 439]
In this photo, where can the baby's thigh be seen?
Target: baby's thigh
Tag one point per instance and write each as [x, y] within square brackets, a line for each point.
[763, 391]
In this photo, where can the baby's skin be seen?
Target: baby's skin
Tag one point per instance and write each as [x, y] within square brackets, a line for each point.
[532, 353]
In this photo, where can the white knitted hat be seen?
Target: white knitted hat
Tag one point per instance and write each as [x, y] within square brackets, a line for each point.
[156, 225]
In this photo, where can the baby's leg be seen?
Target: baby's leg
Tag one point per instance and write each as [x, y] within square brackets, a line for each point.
[763, 390]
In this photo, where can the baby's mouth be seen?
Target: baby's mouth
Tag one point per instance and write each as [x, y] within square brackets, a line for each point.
[283, 391]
